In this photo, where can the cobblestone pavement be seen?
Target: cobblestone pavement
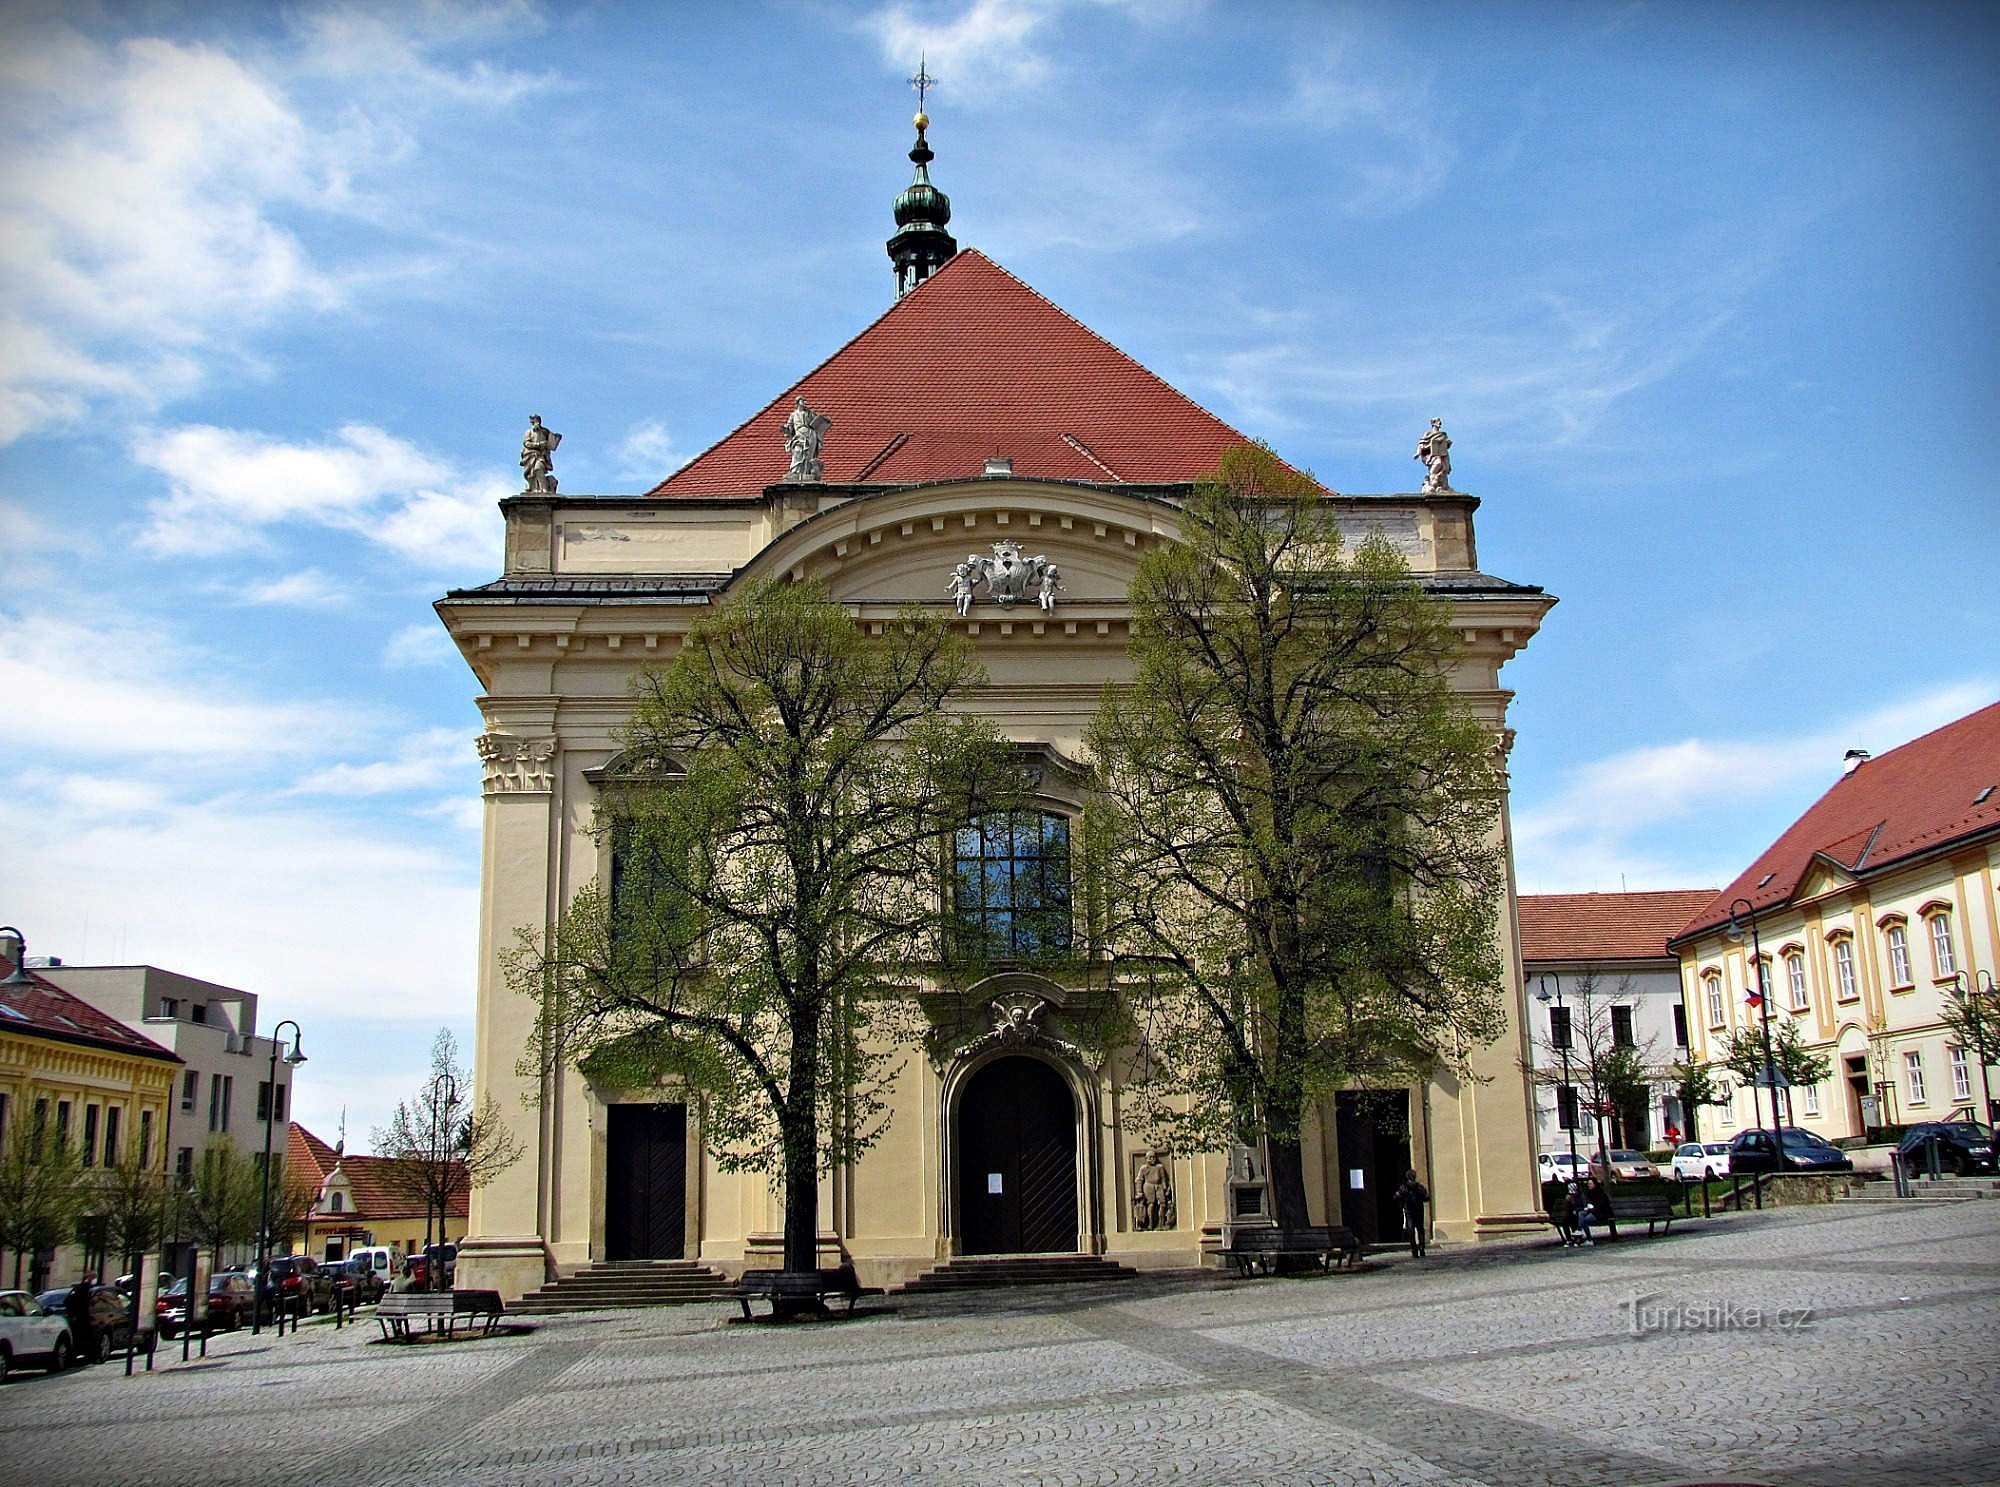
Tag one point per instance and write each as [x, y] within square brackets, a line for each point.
[1833, 1347]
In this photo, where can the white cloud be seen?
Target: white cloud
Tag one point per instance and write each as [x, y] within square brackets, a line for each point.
[419, 645]
[227, 486]
[138, 215]
[647, 453]
[1618, 818]
[318, 910]
[371, 43]
[422, 761]
[1394, 149]
[117, 687]
[308, 588]
[992, 47]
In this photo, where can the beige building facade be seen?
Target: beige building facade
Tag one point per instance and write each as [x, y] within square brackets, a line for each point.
[1874, 912]
[972, 418]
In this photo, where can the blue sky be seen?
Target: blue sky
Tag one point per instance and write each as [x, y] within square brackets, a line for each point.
[1705, 294]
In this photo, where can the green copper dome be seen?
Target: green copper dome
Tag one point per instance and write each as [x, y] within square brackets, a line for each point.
[920, 243]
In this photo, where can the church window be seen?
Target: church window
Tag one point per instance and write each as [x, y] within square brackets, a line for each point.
[1010, 884]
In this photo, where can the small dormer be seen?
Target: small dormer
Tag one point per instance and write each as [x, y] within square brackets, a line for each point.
[336, 1193]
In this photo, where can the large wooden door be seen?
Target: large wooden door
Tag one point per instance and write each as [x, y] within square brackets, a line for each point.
[645, 1183]
[1017, 1161]
[1372, 1128]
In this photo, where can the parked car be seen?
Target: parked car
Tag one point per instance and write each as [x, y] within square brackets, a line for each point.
[31, 1334]
[110, 1314]
[1752, 1151]
[1695, 1161]
[299, 1278]
[1561, 1165]
[231, 1297]
[1621, 1164]
[385, 1260]
[1963, 1146]
[358, 1275]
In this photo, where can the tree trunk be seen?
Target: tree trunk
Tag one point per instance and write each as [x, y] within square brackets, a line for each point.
[1288, 1182]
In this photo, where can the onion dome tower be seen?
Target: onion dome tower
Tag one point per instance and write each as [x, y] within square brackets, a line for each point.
[920, 243]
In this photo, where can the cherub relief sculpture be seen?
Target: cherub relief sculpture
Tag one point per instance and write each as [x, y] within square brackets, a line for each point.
[1010, 578]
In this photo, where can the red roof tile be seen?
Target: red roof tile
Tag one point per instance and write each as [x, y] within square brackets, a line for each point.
[1605, 926]
[43, 1009]
[376, 1194]
[1924, 796]
[973, 364]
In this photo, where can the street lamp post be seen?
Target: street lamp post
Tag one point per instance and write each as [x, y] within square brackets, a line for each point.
[18, 952]
[1756, 978]
[1562, 1046]
[444, 1100]
[295, 1057]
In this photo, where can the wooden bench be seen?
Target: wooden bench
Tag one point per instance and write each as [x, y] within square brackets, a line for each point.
[439, 1311]
[800, 1290]
[1649, 1211]
[1256, 1250]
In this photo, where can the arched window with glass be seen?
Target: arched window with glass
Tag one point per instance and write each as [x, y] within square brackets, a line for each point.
[1011, 885]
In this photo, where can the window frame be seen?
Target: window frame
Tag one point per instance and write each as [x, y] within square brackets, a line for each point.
[1944, 955]
[1718, 1006]
[1036, 924]
[1896, 952]
[1847, 985]
[1961, 1073]
[1914, 1080]
[1795, 981]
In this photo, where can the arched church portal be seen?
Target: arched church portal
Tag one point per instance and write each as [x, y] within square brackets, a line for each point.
[1017, 1166]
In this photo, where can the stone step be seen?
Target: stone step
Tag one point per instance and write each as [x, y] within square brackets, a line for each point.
[1016, 1270]
[626, 1284]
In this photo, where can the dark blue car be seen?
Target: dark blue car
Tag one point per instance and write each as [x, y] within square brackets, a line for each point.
[1802, 1152]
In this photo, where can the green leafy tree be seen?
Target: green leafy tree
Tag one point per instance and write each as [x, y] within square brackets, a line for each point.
[1743, 1055]
[1973, 1020]
[1293, 843]
[776, 863]
[133, 1198]
[293, 1195]
[42, 1193]
[443, 1143]
[221, 1205]
[1694, 1085]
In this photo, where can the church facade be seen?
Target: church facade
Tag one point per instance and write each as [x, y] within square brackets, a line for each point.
[978, 450]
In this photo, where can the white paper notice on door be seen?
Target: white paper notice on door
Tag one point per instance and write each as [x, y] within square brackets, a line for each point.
[1356, 1178]
[993, 1182]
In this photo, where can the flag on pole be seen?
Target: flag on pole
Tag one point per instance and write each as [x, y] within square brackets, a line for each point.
[1753, 999]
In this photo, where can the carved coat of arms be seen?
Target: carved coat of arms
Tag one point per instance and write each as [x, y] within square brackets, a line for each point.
[1010, 577]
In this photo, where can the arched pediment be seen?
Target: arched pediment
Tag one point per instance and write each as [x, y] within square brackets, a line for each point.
[900, 546]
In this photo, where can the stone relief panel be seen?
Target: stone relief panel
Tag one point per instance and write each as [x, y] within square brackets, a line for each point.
[517, 766]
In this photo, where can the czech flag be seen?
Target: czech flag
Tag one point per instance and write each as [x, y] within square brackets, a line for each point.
[1753, 999]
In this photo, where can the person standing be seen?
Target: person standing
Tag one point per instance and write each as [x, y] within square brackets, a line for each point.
[82, 1325]
[1411, 1198]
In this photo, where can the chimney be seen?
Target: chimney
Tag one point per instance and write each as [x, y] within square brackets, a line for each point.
[1854, 760]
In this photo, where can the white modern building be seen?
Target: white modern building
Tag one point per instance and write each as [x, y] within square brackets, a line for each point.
[1599, 977]
[224, 1088]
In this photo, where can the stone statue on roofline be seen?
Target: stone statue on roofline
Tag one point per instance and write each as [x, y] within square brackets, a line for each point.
[538, 447]
[1434, 449]
[804, 431]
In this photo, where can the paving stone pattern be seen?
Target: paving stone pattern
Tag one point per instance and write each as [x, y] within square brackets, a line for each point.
[1509, 1364]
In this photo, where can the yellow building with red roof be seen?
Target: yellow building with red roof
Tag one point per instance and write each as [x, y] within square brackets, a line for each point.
[1863, 921]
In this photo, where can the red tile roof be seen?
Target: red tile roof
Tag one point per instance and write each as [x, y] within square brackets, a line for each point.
[970, 364]
[1605, 926]
[1923, 797]
[43, 1009]
[376, 1194]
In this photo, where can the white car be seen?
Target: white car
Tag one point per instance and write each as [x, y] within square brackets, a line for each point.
[30, 1335]
[1697, 1160]
[1562, 1166]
